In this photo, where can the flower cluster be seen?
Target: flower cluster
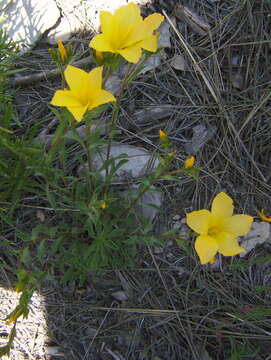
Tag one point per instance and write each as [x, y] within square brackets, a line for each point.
[124, 33]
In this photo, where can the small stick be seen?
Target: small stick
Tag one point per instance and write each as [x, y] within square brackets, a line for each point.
[49, 74]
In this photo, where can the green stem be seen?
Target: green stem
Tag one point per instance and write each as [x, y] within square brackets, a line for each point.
[89, 157]
[115, 113]
[63, 82]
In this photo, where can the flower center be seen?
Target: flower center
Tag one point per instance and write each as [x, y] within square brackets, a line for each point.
[216, 226]
[213, 231]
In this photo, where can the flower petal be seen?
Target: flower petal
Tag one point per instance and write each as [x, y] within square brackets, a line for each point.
[263, 217]
[76, 78]
[128, 14]
[153, 21]
[213, 260]
[78, 112]
[101, 98]
[222, 205]
[95, 78]
[106, 19]
[101, 43]
[131, 54]
[150, 43]
[127, 21]
[228, 244]
[138, 32]
[238, 225]
[206, 248]
[65, 98]
[199, 221]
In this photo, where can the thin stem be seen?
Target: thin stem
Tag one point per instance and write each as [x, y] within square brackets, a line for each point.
[116, 113]
[88, 131]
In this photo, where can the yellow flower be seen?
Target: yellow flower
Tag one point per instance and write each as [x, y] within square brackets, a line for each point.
[218, 229]
[14, 315]
[103, 205]
[263, 217]
[61, 49]
[99, 55]
[125, 32]
[85, 92]
[11, 320]
[189, 162]
[163, 136]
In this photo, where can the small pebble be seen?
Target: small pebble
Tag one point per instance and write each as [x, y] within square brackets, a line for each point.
[176, 218]
[158, 250]
[181, 271]
[169, 256]
[120, 295]
[177, 225]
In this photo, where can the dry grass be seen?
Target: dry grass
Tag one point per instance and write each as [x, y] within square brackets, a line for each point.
[177, 309]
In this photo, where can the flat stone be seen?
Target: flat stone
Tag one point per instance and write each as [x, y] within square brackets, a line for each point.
[27, 20]
[140, 162]
[176, 217]
[120, 295]
[259, 234]
[96, 6]
[64, 30]
[153, 113]
[150, 203]
[84, 14]
[201, 135]
[164, 35]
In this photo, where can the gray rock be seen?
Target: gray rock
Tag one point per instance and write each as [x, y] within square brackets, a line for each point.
[26, 20]
[201, 135]
[140, 161]
[259, 234]
[153, 113]
[178, 62]
[120, 295]
[152, 62]
[164, 35]
[176, 217]
[150, 203]
[83, 14]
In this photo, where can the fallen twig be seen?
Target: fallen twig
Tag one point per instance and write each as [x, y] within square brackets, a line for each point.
[19, 80]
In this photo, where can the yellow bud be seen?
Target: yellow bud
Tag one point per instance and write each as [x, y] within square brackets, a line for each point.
[189, 162]
[103, 205]
[163, 136]
[263, 217]
[62, 50]
[99, 55]
[11, 320]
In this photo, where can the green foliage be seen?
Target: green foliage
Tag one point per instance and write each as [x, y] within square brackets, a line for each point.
[86, 224]
[83, 236]
[240, 350]
[8, 51]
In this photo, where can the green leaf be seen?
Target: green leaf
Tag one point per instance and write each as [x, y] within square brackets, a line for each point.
[41, 250]
[25, 256]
